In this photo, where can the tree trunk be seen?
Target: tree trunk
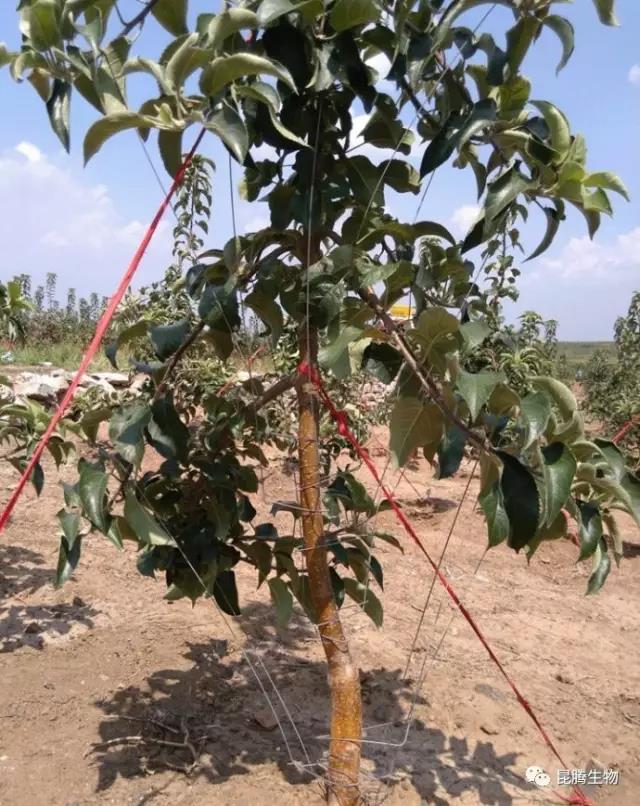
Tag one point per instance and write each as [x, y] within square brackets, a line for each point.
[344, 678]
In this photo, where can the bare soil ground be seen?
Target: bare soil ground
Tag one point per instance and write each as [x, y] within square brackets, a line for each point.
[105, 658]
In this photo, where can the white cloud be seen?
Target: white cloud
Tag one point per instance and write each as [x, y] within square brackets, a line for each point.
[634, 74]
[56, 222]
[463, 218]
[28, 150]
[585, 286]
[584, 259]
[256, 223]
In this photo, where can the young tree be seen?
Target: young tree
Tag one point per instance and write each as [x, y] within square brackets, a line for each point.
[293, 75]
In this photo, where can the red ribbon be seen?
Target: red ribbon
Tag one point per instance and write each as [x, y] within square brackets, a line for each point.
[343, 429]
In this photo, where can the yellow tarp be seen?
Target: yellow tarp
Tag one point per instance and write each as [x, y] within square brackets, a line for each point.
[401, 311]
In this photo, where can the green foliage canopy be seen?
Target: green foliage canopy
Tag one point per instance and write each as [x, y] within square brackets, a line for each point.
[293, 75]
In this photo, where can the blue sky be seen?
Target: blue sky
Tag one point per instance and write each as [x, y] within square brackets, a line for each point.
[84, 223]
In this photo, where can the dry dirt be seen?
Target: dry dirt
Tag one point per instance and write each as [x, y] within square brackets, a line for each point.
[106, 658]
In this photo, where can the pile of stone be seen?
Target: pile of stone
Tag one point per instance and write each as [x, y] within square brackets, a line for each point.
[48, 388]
[374, 394]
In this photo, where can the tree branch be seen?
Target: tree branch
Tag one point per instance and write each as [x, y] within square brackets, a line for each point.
[273, 392]
[427, 383]
[160, 390]
[175, 358]
[138, 19]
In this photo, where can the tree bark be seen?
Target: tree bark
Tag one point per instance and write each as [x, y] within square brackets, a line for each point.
[344, 677]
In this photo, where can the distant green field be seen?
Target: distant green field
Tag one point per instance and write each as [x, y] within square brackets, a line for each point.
[583, 350]
[578, 353]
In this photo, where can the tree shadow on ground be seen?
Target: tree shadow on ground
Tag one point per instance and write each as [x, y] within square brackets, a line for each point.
[630, 550]
[214, 703]
[22, 573]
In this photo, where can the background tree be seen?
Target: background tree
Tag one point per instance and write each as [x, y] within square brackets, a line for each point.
[613, 386]
[334, 258]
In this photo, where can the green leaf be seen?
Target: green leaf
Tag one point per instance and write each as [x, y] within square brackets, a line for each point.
[606, 12]
[231, 129]
[597, 201]
[554, 216]
[349, 13]
[431, 229]
[146, 563]
[559, 468]
[451, 452]
[92, 489]
[455, 133]
[626, 491]
[148, 531]
[70, 523]
[282, 130]
[521, 501]
[129, 334]
[167, 433]
[37, 478]
[589, 528]
[107, 126]
[436, 329]
[126, 429]
[535, 411]
[172, 15]
[185, 60]
[261, 554]
[229, 22]
[271, 10]
[268, 311]
[282, 601]
[170, 146]
[607, 180]
[614, 456]
[6, 56]
[503, 192]
[413, 425]
[44, 24]
[68, 559]
[492, 504]
[218, 306]
[474, 333]
[300, 590]
[225, 592]
[366, 598]
[332, 354]
[387, 538]
[166, 339]
[558, 393]
[565, 33]
[476, 389]
[58, 108]
[519, 39]
[503, 400]
[601, 568]
[571, 431]
[382, 361]
[615, 535]
[224, 70]
[558, 126]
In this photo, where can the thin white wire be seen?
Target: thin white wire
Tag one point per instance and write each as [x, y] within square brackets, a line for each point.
[243, 650]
